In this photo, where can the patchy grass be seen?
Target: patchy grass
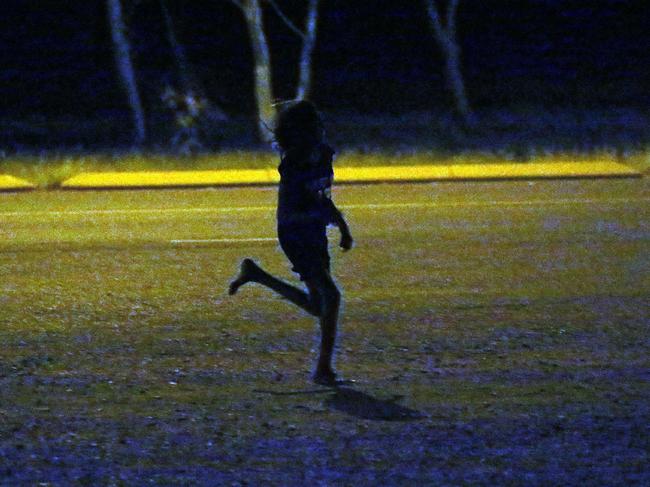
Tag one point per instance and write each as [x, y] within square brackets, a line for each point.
[492, 341]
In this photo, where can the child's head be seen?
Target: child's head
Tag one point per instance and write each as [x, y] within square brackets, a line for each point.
[299, 126]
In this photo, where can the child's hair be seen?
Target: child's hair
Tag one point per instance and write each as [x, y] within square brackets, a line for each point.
[298, 126]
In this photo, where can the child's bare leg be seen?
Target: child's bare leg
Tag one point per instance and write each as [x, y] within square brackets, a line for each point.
[251, 272]
[330, 303]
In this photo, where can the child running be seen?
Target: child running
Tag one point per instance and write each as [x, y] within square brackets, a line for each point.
[304, 211]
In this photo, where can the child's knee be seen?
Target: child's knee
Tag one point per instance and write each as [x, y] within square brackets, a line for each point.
[331, 295]
[328, 294]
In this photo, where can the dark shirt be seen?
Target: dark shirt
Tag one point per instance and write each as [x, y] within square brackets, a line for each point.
[306, 177]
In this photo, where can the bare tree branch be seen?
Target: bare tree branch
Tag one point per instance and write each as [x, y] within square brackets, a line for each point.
[446, 37]
[188, 78]
[451, 17]
[262, 68]
[304, 74]
[434, 18]
[126, 70]
[286, 19]
[177, 49]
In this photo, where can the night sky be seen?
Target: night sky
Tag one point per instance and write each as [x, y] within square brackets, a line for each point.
[371, 56]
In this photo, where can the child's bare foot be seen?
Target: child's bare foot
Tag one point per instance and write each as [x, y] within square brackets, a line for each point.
[247, 271]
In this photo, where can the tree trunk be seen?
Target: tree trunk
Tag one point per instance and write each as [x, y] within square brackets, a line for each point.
[304, 78]
[122, 51]
[186, 74]
[262, 62]
[456, 84]
[446, 38]
[180, 58]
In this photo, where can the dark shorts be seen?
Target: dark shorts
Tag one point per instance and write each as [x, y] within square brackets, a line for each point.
[306, 247]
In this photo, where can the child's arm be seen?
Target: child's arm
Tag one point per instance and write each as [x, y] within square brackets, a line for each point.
[337, 218]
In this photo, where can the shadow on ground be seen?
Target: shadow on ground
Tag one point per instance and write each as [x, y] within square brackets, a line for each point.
[365, 406]
[357, 403]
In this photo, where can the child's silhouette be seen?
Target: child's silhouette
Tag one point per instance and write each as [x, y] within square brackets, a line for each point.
[304, 211]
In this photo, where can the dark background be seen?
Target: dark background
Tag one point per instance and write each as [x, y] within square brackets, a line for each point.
[372, 56]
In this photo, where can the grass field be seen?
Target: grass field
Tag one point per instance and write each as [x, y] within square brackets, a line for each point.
[498, 333]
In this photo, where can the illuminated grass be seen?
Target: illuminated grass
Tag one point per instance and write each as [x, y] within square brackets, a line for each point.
[49, 172]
